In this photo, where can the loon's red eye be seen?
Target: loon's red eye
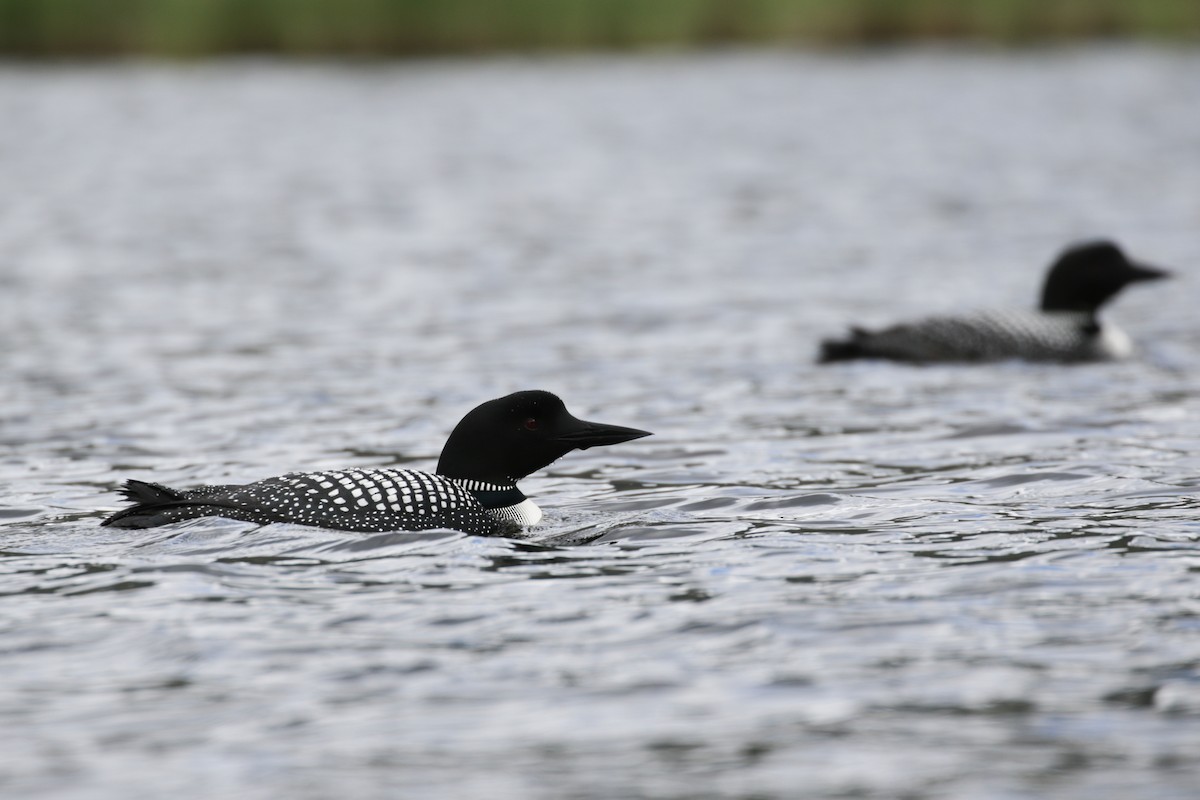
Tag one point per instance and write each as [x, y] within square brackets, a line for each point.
[531, 424]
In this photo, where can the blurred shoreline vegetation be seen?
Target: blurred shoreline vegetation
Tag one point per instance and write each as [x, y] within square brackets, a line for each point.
[376, 28]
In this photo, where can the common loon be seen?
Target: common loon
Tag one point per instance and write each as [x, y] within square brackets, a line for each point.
[474, 489]
[1067, 327]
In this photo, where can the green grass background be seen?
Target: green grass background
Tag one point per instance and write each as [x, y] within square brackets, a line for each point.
[187, 28]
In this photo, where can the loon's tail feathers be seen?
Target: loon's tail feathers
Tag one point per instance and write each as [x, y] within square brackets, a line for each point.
[155, 504]
[844, 349]
[149, 494]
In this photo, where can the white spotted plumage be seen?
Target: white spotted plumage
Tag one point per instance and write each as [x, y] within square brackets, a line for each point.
[993, 335]
[366, 500]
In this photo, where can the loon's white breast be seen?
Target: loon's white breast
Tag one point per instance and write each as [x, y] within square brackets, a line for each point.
[1112, 343]
[525, 513]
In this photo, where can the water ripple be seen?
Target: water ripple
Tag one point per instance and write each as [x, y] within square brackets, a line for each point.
[865, 580]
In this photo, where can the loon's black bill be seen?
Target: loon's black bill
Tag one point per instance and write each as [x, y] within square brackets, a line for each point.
[596, 434]
[1145, 272]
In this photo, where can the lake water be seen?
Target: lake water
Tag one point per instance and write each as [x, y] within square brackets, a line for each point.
[864, 580]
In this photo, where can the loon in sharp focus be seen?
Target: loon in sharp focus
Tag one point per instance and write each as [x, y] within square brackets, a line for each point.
[1066, 328]
[474, 489]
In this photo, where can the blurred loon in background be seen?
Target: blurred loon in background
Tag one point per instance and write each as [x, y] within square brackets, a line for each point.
[1066, 328]
[474, 489]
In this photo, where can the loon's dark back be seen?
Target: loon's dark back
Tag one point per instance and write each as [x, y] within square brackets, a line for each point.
[983, 336]
[366, 500]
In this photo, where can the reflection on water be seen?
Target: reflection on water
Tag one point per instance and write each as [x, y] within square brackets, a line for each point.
[866, 580]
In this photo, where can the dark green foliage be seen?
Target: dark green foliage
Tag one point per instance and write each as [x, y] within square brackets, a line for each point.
[404, 27]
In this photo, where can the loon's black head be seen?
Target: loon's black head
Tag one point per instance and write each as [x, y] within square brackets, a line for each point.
[1087, 275]
[504, 440]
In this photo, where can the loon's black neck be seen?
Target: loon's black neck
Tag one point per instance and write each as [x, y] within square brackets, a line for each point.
[492, 495]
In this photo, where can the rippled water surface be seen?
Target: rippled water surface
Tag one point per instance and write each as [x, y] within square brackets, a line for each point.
[867, 581]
